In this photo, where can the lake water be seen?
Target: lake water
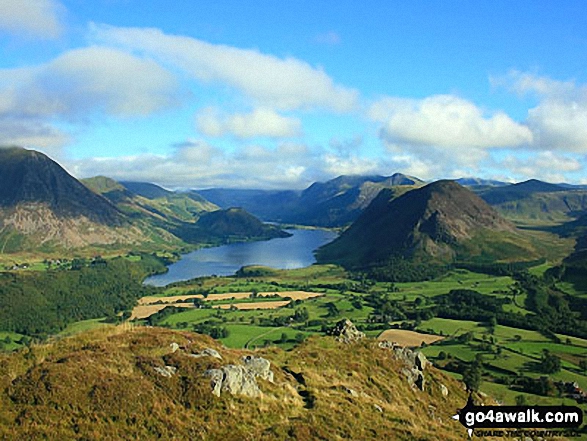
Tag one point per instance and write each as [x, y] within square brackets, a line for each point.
[282, 253]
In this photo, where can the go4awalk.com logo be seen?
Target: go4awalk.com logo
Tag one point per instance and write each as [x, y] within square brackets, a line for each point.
[515, 421]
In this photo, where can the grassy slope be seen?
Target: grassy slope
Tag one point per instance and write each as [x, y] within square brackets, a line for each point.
[102, 385]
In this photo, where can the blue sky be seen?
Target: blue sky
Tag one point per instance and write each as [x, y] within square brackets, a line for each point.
[266, 94]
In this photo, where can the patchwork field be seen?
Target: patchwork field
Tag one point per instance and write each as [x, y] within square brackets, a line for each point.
[408, 338]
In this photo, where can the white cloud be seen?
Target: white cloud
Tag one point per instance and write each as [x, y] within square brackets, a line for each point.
[548, 166]
[350, 165]
[198, 164]
[75, 86]
[283, 83]
[260, 122]
[31, 133]
[559, 121]
[38, 18]
[85, 80]
[446, 121]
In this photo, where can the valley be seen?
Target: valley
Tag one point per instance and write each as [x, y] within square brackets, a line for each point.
[486, 280]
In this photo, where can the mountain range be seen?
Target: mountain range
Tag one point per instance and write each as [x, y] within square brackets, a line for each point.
[335, 203]
[43, 208]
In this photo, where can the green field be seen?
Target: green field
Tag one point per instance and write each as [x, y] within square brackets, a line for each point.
[86, 325]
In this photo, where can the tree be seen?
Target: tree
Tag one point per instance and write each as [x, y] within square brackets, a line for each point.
[472, 376]
[549, 363]
[283, 338]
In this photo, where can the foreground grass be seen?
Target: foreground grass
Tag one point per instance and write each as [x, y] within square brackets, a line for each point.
[102, 384]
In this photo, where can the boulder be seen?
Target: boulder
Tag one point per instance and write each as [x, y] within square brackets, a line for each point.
[236, 380]
[346, 332]
[260, 367]
[415, 362]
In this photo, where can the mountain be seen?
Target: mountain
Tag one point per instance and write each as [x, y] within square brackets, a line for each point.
[146, 189]
[440, 222]
[268, 205]
[478, 182]
[186, 215]
[536, 199]
[28, 176]
[149, 383]
[42, 207]
[142, 199]
[333, 203]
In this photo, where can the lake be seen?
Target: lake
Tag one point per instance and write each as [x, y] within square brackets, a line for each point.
[282, 253]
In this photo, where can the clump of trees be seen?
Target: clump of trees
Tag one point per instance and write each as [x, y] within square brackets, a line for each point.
[42, 303]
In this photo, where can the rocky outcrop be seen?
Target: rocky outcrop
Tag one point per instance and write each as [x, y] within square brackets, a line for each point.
[346, 332]
[240, 380]
[260, 367]
[415, 362]
[236, 380]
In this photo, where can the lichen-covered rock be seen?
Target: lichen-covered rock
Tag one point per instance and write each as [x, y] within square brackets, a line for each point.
[260, 367]
[415, 362]
[167, 371]
[234, 379]
[346, 332]
[216, 377]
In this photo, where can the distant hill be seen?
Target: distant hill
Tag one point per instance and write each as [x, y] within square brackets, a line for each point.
[334, 203]
[535, 199]
[223, 226]
[146, 189]
[187, 215]
[440, 222]
[478, 182]
[140, 199]
[268, 205]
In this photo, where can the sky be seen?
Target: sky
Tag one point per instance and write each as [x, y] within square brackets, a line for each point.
[278, 95]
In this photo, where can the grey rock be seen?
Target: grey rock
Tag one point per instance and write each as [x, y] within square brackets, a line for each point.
[167, 371]
[208, 352]
[352, 392]
[237, 380]
[259, 367]
[386, 344]
[421, 360]
[216, 377]
[346, 332]
[415, 362]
